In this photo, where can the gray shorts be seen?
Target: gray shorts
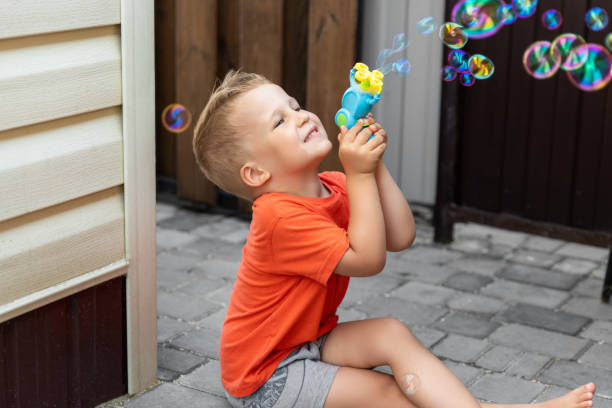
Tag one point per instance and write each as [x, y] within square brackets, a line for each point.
[301, 380]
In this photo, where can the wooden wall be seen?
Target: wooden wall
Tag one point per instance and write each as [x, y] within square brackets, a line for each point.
[307, 46]
[539, 150]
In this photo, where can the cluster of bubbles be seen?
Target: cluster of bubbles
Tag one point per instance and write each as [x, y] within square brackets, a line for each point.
[588, 66]
[176, 118]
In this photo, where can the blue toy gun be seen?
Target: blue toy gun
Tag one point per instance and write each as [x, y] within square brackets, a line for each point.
[364, 92]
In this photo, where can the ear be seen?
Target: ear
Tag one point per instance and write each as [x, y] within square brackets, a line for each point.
[253, 175]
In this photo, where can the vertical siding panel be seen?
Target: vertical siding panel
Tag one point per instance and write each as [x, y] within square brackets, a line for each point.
[85, 352]
[565, 126]
[26, 357]
[57, 328]
[604, 192]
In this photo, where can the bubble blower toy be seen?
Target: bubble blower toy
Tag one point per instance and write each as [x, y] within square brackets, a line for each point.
[365, 88]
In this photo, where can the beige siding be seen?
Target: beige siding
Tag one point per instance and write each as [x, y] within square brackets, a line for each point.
[61, 146]
[27, 17]
[58, 243]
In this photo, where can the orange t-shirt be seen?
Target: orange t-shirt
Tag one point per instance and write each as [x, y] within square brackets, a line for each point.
[286, 293]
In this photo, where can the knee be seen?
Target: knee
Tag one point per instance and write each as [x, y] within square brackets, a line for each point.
[394, 329]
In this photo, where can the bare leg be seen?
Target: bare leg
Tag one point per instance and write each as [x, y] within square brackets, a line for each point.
[421, 379]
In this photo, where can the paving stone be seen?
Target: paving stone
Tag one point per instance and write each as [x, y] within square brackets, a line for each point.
[543, 318]
[570, 374]
[483, 266]
[599, 355]
[589, 307]
[174, 395]
[533, 258]
[166, 375]
[427, 336]
[538, 340]
[542, 244]
[590, 287]
[583, 251]
[210, 248]
[202, 341]
[599, 330]
[423, 293]
[187, 308]
[201, 286]
[362, 288]
[494, 235]
[170, 280]
[222, 295]
[600, 271]
[163, 212]
[498, 358]
[502, 388]
[575, 266]
[466, 373]
[417, 271]
[206, 378]
[528, 365]
[500, 251]
[467, 281]
[466, 324]
[167, 239]
[408, 312]
[186, 221]
[228, 229]
[471, 246]
[429, 255]
[460, 348]
[168, 328]
[520, 292]
[539, 276]
[214, 321]
[176, 360]
[350, 315]
[218, 268]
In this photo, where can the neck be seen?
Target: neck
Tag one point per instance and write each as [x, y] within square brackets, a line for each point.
[304, 185]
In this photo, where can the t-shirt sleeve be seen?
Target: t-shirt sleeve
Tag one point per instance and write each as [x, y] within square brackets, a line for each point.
[308, 244]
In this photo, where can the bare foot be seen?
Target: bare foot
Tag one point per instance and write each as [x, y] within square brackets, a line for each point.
[580, 397]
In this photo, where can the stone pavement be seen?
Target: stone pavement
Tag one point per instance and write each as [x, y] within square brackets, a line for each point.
[516, 317]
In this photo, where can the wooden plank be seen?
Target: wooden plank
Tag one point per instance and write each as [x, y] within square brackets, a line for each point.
[27, 382]
[84, 354]
[57, 75]
[564, 125]
[196, 55]
[295, 47]
[541, 128]
[28, 17]
[518, 111]
[331, 50]
[54, 162]
[589, 144]
[57, 329]
[50, 246]
[165, 78]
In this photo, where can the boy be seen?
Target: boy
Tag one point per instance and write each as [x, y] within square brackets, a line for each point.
[281, 345]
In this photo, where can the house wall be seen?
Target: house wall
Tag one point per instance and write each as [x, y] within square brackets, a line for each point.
[410, 107]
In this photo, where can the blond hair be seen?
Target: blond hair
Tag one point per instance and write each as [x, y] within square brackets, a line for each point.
[216, 144]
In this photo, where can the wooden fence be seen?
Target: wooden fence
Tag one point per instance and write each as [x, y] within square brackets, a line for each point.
[306, 46]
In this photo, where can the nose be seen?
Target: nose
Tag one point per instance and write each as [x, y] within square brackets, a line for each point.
[302, 117]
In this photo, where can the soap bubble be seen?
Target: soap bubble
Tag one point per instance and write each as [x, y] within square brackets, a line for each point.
[467, 79]
[459, 60]
[552, 19]
[608, 41]
[453, 35]
[596, 19]
[448, 73]
[480, 18]
[508, 14]
[402, 66]
[480, 66]
[176, 118]
[400, 42]
[540, 62]
[525, 8]
[426, 25]
[567, 45]
[596, 72]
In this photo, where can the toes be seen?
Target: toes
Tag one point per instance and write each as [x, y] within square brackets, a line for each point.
[590, 387]
[586, 404]
[586, 396]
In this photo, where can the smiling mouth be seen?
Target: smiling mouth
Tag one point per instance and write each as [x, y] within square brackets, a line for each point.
[314, 133]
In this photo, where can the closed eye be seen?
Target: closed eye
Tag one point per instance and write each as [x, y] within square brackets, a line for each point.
[280, 122]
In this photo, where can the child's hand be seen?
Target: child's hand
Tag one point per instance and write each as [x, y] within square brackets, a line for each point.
[358, 153]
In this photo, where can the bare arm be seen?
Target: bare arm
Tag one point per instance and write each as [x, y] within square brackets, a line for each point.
[366, 230]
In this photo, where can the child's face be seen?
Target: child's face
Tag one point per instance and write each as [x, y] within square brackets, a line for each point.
[282, 137]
